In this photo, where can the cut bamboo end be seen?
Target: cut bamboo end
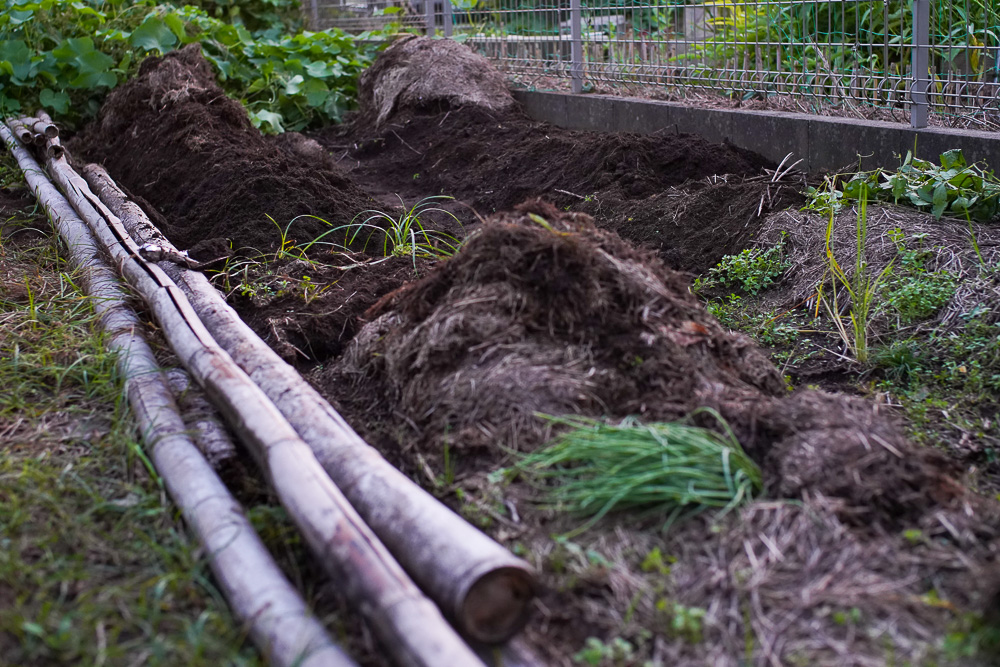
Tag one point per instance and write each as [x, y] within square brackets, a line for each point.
[22, 133]
[496, 605]
[45, 127]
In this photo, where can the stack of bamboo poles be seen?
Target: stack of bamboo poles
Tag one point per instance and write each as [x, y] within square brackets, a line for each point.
[362, 524]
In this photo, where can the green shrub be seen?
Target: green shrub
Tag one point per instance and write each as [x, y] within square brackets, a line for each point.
[916, 293]
[953, 188]
[65, 56]
[752, 270]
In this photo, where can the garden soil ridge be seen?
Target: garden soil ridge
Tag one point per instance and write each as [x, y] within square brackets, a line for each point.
[518, 297]
[172, 137]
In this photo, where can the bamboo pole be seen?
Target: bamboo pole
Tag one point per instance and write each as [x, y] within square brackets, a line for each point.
[411, 628]
[476, 581]
[23, 134]
[44, 126]
[202, 420]
[259, 594]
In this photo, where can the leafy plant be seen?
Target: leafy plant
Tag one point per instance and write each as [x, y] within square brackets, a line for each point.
[753, 269]
[916, 293]
[273, 16]
[954, 188]
[596, 652]
[405, 234]
[685, 622]
[65, 56]
[861, 285]
[658, 467]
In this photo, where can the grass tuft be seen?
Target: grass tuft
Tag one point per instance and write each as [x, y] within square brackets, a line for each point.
[674, 468]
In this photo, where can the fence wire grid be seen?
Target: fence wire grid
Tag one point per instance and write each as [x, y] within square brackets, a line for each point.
[918, 57]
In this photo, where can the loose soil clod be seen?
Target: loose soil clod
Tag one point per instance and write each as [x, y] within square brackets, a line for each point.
[638, 186]
[172, 136]
[541, 312]
[418, 73]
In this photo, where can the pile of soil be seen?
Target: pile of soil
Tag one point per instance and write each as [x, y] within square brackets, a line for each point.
[634, 185]
[310, 310]
[422, 73]
[171, 136]
[542, 312]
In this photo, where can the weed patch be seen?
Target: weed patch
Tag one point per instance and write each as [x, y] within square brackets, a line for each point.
[752, 270]
[95, 567]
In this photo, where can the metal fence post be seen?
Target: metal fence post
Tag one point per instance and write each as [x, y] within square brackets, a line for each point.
[920, 68]
[429, 17]
[315, 14]
[576, 46]
[449, 18]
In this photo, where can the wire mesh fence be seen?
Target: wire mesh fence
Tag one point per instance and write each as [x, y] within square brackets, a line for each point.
[918, 56]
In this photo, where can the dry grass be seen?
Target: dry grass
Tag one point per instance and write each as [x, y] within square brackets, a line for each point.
[950, 240]
[790, 584]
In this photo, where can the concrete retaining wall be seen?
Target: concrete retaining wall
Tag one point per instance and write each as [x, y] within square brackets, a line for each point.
[825, 143]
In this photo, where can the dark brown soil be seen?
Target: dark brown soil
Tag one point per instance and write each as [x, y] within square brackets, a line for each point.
[171, 136]
[495, 160]
[541, 312]
[319, 306]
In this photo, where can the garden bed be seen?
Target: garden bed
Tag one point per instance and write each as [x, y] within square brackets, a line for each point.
[864, 547]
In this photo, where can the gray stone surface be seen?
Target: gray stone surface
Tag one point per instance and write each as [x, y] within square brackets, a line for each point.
[825, 143]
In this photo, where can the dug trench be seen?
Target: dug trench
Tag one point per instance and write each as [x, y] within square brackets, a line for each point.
[575, 304]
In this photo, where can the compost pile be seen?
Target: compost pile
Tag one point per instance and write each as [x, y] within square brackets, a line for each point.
[542, 312]
[420, 73]
[492, 158]
[172, 137]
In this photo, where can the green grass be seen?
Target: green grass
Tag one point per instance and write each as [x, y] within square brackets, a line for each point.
[861, 286]
[671, 468]
[95, 566]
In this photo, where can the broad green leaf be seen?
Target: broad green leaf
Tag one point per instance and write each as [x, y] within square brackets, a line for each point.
[153, 35]
[19, 16]
[319, 69]
[91, 80]
[940, 200]
[72, 48]
[267, 121]
[15, 58]
[294, 84]
[926, 193]
[94, 62]
[58, 102]
[9, 105]
[953, 159]
[898, 187]
[176, 25]
[316, 93]
[256, 86]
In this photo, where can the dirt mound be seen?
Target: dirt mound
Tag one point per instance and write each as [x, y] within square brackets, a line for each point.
[702, 221]
[308, 311]
[423, 73]
[493, 161]
[542, 312]
[172, 136]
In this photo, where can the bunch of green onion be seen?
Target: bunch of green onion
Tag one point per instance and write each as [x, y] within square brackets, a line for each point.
[673, 468]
